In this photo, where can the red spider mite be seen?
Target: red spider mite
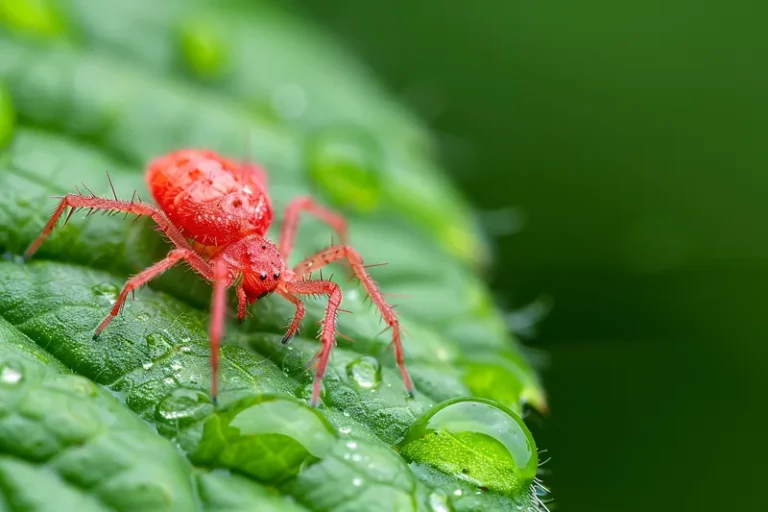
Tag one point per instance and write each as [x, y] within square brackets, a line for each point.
[216, 212]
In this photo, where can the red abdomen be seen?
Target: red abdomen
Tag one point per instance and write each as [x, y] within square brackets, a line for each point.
[213, 200]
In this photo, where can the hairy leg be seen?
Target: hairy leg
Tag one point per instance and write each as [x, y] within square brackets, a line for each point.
[296, 322]
[216, 329]
[242, 303]
[328, 333]
[291, 221]
[143, 278]
[75, 201]
[339, 252]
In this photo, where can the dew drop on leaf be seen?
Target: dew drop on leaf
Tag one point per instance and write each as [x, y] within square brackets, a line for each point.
[10, 373]
[478, 441]
[438, 502]
[182, 403]
[365, 372]
[267, 437]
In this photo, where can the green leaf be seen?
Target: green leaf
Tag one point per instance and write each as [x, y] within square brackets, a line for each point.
[125, 422]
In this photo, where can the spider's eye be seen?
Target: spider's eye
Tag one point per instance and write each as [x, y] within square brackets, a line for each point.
[263, 276]
[276, 275]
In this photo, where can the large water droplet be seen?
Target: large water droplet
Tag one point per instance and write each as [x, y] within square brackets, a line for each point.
[478, 441]
[267, 437]
[106, 291]
[182, 404]
[346, 164]
[365, 372]
[11, 373]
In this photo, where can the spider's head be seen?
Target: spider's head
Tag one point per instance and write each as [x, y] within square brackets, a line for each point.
[262, 268]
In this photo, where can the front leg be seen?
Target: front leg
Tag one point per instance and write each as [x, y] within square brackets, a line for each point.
[291, 222]
[328, 333]
[339, 252]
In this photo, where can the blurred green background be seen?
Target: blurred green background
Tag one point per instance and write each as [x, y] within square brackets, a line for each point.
[629, 139]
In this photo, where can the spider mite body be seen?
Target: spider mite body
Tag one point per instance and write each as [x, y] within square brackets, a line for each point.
[216, 212]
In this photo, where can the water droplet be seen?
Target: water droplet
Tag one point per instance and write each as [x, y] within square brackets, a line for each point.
[346, 164]
[186, 349]
[267, 437]
[476, 440]
[345, 430]
[356, 457]
[176, 366]
[11, 373]
[352, 445]
[346, 413]
[182, 403]
[158, 346]
[457, 492]
[357, 482]
[168, 380]
[365, 372]
[106, 291]
[148, 365]
[438, 502]
[143, 316]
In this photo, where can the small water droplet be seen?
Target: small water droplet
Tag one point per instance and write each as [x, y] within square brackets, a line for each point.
[345, 430]
[356, 457]
[176, 366]
[168, 380]
[346, 413]
[357, 482]
[107, 291]
[186, 349]
[346, 164]
[365, 372]
[268, 437]
[10, 373]
[476, 440]
[503, 379]
[438, 502]
[457, 492]
[182, 403]
[352, 445]
[148, 365]
[143, 316]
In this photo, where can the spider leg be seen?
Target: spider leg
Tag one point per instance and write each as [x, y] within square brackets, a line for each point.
[242, 303]
[291, 221]
[75, 201]
[144, 277]
[328, 333]
[216, 329]
[296, 322]
[338, 252]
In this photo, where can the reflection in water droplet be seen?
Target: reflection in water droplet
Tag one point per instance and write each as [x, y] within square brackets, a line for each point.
[267, 437]
[346, 164]
[10, 373]
[476, 440]
[107, 291]
[182, 403]
[365, 372]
